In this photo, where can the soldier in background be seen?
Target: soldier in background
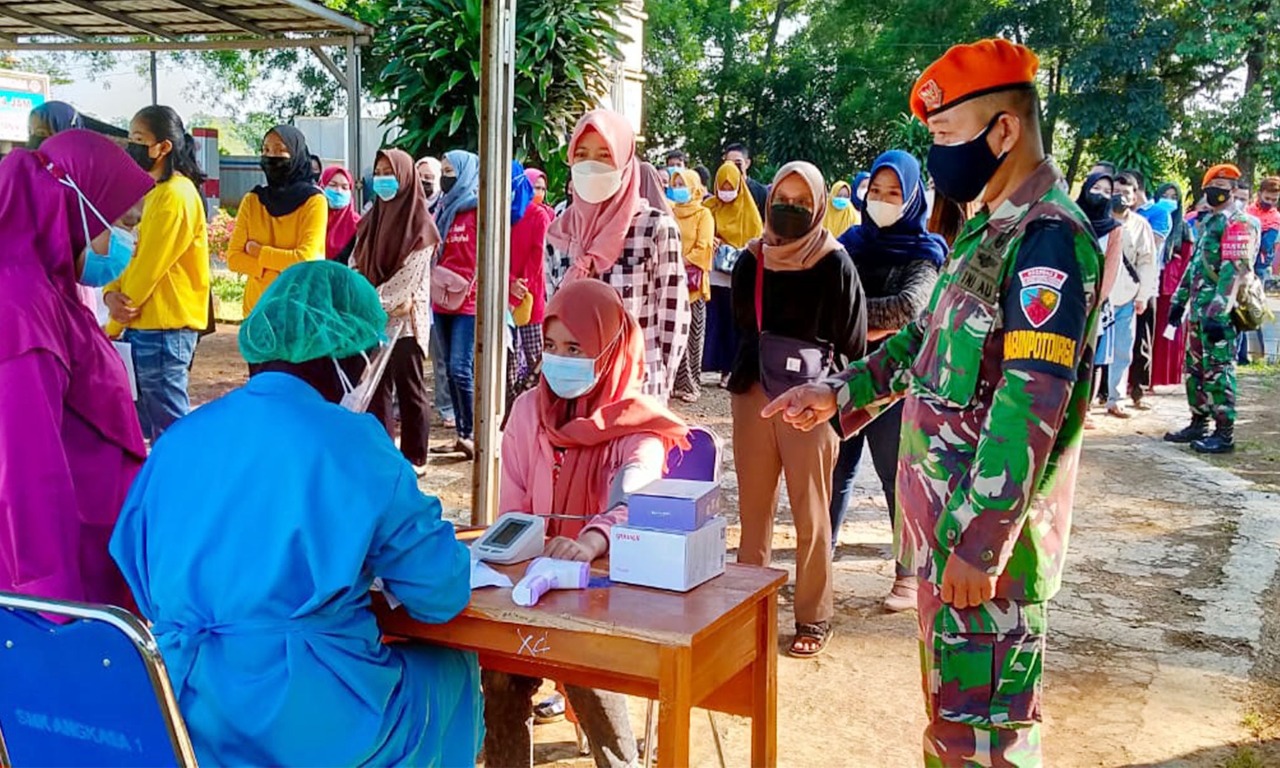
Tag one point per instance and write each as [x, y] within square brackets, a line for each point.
[996, 375]
[1224, 251]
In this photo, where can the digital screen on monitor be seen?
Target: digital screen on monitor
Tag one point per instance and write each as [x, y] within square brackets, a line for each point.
[508, 531]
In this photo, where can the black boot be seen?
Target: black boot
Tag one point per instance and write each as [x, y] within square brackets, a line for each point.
[1196, 430]
[1221, 441]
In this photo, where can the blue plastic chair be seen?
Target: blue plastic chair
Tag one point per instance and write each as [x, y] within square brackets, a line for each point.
[92, 691]
[700, 462]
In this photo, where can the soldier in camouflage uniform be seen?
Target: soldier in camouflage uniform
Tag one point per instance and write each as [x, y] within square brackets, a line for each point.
[996, 377]
[1210, 286]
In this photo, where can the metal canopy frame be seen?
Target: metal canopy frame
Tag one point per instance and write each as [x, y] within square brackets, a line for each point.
[193, 25]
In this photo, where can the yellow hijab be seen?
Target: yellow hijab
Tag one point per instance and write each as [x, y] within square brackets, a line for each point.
[837, 222]
[737, 223]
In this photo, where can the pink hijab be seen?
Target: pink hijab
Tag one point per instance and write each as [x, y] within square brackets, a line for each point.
[343, 222]
[41, 232]
[594, 235]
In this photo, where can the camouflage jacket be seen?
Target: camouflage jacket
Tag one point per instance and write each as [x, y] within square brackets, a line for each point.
[1212, 299]
[996, 374]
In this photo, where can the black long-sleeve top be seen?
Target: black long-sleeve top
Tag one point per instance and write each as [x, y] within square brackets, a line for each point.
[897, 294]
[824, 303]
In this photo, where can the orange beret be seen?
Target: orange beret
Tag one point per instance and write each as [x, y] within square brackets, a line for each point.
[1220, 171]
[968, 71]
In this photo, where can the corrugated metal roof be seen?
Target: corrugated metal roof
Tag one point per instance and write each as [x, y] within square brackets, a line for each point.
[30, 23]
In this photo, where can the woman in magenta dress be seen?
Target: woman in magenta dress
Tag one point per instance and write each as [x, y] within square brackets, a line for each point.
[1168, 354]
[70, 443]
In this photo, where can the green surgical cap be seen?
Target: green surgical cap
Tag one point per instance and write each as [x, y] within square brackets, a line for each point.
[315, 309]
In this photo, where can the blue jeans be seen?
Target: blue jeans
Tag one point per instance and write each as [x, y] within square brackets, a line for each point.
[441, 397]
[161, 363]
[458, 354]
[1118, 372]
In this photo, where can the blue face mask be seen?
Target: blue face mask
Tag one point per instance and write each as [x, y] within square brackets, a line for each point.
[569, 377]
[101, 269]
[679, 195]
[339, 198]
[840, 203]
[386, 187]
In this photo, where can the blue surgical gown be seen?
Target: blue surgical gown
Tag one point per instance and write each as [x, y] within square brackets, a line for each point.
[255, 570]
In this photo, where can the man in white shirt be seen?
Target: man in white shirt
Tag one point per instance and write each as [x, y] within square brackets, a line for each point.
[1134, 289]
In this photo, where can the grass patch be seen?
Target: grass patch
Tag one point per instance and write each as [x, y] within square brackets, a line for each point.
[228, 295]
[1244, 757]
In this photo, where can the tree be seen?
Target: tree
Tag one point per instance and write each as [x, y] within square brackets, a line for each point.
[564, 51]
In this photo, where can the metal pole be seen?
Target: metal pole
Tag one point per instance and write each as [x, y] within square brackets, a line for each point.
[497, 18]
[155, 86]
[353, 110]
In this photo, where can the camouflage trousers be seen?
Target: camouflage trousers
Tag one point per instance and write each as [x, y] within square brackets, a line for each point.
[982, 674]
[1211, 375]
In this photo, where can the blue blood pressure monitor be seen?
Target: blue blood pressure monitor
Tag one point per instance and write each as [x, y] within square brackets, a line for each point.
[516, 537]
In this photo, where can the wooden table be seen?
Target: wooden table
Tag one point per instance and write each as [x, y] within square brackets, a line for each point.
[714, 647]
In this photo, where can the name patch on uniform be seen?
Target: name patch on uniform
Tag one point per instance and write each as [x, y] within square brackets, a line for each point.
[1037, 345]
[1041, 293]
[980, 275]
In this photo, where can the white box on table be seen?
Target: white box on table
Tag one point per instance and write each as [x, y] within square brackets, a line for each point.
[674, 560]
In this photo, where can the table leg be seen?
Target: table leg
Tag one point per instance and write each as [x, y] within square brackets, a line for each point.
[675, 694]
[764, 705]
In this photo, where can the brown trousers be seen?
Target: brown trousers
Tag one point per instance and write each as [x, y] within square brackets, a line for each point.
[764, 452]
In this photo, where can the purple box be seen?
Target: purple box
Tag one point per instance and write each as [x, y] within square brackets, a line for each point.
[673, 505]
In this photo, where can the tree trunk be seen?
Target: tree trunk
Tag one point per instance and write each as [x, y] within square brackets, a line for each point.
[1053, 107]
[765, 68]
[1254, 62]
[1073, 165]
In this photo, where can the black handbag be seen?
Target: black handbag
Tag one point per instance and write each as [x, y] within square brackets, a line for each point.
[785, 361]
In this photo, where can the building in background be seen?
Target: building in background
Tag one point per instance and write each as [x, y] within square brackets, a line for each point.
[626, 91]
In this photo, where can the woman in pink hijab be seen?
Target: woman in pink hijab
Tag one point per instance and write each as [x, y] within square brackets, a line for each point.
[611, 233]
[70, 443]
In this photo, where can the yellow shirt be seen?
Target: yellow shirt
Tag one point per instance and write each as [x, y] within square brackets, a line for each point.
[285, 241]
[168, 277]
[697, 237]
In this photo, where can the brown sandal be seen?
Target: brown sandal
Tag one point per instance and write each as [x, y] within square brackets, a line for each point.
[810, 640]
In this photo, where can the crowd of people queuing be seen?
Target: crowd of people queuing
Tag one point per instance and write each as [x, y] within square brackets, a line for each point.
[958, 324]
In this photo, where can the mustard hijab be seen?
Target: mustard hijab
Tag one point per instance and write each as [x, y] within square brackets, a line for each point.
[738, 222]
[837, 222]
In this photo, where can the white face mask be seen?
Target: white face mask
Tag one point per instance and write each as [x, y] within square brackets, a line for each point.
[595, 182]
[354, 398]
[727, 195]
[884, 214]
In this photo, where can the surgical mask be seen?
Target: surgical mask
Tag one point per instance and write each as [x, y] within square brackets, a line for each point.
[1216, 196]
[354, 398]
[539, 195]
[386, 187]
[884, 214]
[962, 171]
[840, 203]
[1237, 206]
[678, 195]
[727, 195]
[277, 169]
[141, 154]
[338, 198]
[447, 182]
[595, 182]
[790, 222]
[100, 269]
[569, 377]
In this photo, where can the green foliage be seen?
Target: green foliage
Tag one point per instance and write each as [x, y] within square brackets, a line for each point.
[432, 75]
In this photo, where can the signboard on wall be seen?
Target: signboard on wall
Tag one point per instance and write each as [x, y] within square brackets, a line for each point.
[20, 92]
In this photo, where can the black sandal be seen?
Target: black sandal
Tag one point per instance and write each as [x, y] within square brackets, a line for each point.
[820, 632]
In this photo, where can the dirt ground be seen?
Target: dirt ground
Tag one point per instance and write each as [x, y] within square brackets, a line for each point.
[1165, 640]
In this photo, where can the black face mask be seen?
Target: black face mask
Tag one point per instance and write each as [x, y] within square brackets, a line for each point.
[277, 169]
[1118, 204]
[428, 188]
[447, 182]
[1216, 196]
[1098, 200]
[141, 155]
[790, 222]
[961, 171]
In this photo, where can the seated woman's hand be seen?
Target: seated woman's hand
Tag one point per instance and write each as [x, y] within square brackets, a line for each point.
[587, 547]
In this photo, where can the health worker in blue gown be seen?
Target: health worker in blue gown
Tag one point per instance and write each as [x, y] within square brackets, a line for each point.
[255, 570]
